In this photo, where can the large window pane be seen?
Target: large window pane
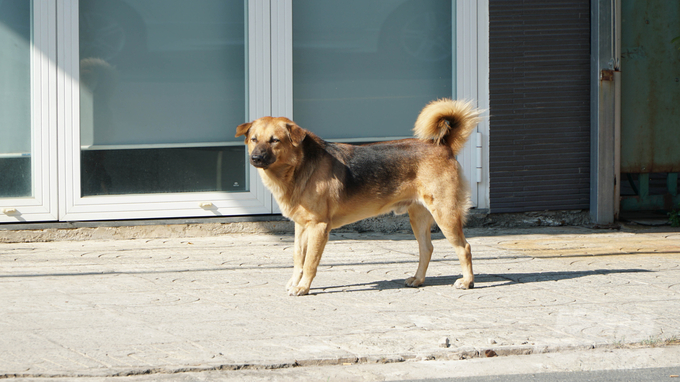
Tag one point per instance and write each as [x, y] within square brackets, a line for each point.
[364, 69]
[162, 88]
[15, 98]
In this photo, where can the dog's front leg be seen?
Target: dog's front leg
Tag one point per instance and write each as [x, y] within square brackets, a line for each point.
[313, 240]
[298, 257]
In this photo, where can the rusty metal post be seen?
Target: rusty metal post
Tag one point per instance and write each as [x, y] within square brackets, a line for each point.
[605, 97]
[617, 108]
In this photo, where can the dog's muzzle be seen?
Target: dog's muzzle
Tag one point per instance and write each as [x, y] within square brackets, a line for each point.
[261, 159]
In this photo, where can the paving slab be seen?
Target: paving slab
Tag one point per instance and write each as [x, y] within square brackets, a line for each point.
[103, 308]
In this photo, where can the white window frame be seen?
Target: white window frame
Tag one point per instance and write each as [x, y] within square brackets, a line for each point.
[42, 205]
[159, 205]
[472, 74]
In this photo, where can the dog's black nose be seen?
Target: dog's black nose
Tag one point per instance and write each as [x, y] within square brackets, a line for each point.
[259, 160]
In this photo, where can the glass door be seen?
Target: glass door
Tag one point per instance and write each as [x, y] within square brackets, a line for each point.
[27, 115]
[155, 90]
[363, 70]
[127, 109]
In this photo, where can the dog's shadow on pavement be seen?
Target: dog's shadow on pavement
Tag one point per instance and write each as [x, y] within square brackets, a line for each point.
[481, 281]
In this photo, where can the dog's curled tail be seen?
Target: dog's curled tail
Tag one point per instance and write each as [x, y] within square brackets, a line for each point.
[449, 122]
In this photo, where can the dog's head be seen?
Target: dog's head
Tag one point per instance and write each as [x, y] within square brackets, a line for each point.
[272, 141]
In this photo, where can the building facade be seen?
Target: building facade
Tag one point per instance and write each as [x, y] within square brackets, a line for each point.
[122, 109]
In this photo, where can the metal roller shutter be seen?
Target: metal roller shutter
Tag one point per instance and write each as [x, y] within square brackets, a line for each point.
[539, 54]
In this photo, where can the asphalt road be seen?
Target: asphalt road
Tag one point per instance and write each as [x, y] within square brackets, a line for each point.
[636, 375]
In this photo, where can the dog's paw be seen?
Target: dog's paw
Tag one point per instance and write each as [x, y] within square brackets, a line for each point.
[413, 282]
[464, 284]
[293, 281]
[298, 291]
[291, 284]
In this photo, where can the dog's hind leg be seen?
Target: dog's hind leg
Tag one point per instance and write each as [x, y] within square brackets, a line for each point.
[313, 239]
[464, 253]
[421, 222]
[451, 224]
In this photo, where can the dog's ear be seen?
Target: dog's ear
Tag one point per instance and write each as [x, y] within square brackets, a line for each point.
[296, 133]
[243, 129]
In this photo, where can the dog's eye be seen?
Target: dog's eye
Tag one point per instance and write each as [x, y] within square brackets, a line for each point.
[274, 140]
[253, 139]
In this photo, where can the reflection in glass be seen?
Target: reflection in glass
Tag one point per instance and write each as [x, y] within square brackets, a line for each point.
[15, 98]
[162, 89]
[199, 169]
[366, 68]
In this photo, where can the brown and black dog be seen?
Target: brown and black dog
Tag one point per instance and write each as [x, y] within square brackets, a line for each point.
[322, 185]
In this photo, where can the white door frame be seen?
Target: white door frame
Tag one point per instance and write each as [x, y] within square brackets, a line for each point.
[472, 75]
[471, 80]
[42, 205]
[161, 205]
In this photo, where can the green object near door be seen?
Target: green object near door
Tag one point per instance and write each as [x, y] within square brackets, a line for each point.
[650, 99]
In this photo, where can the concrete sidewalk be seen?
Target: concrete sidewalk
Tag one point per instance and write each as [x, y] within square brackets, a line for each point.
[126, 307]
